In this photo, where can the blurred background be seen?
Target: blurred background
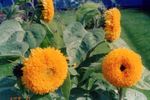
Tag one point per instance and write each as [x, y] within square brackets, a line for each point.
[72, 4]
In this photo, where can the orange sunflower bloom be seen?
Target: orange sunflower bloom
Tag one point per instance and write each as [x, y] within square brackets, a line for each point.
[48, 10]
[122, 67]
[112, 24]
[44, 71]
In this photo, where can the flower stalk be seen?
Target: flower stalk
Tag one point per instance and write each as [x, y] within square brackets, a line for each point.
[121, 92]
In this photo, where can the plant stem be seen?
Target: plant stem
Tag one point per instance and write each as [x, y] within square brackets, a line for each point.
[89, 52]
[120, 91]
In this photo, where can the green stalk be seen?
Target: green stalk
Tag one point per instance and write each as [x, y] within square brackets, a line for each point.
[121, 93]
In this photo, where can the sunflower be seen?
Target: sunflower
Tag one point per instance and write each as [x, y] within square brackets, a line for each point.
[122, 67]
[44, 71]
[112, 24]
[48, 10]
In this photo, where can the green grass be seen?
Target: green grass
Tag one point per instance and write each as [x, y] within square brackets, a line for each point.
[136, 32]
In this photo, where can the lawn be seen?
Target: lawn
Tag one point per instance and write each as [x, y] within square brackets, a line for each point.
[136, 31]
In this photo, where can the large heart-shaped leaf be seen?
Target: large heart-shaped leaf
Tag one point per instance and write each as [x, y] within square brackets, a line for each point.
[13, 49]
[79, 42]
[8, 28]
[11, 40]
[35, 33]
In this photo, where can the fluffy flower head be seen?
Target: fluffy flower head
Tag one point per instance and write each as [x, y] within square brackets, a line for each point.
[122, 67]
[48, 10]
[44, 71]
[112, 24]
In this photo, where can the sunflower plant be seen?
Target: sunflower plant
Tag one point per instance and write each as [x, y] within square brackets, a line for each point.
[46, 57]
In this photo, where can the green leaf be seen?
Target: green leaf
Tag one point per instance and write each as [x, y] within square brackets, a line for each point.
[35, 33]
[79, 42]
[104, 95]
[96, 57]
[87, 74]
[11, 40]
[102, 49]
[4, 60]
[13, 48]
[29, 38]
[132, 94]
[8, 28]
[72, 71]
[7, 89]
[6, 70]
[7, 82]
[97, 76]
[85, 8]
[90, 71]
[144, 83]
[11, 37]
[9, 92]
[41, 97]
[90, 83]
[79, 94]
[57, 27]
[49, 38]
[100, 83]
[118, 44]
[88, 14]
[66, 87]
[74, 82]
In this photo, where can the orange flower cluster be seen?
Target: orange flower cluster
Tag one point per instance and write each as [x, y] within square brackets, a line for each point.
[112, 24]
[48, 10]
[45, 70]
[122, 67]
